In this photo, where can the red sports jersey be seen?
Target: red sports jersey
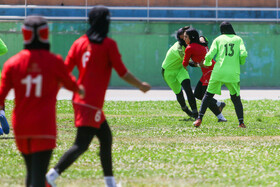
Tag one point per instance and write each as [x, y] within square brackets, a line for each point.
[197, 52]
[94, 62]
[36, 76]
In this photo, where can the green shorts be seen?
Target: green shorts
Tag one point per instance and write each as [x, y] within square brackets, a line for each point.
[175, 77]
[214, 87]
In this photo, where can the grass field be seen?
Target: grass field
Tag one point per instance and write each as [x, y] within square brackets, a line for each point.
[156, 145]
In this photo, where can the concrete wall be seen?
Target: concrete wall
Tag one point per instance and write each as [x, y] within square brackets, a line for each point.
[143, 47]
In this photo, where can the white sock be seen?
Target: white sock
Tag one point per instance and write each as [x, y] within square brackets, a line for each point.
[220, 116]
[110, 181]
[52, 174]
[218, 103]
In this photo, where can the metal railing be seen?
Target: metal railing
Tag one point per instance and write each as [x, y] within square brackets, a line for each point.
[18, 12]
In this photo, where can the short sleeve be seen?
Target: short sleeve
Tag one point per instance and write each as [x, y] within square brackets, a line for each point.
[188, 53]
[115, 59]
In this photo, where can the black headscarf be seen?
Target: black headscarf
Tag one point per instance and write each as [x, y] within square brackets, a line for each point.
[99, 20]
[226, 28]
[193, 35]
[180, 32]
[35, 33]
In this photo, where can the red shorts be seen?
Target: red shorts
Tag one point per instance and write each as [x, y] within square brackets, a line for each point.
[88, 116]
[205, 79]
[33, 145]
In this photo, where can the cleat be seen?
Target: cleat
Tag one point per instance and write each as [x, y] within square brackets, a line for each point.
[50, 183]
[241, 125]
[222, 120]
[187, 111]
[47, 184]
[1, 131]
[222, 106]
[197, 123]
[50, 177]
[4, 124]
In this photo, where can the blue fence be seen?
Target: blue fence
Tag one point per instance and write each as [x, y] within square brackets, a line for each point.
[144, 13]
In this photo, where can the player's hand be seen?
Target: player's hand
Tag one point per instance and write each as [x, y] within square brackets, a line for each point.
[4, 122]
[202, 65]
[81, 91]
[145, 87]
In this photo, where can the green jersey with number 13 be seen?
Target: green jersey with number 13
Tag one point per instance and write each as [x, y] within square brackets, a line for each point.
[230, 52]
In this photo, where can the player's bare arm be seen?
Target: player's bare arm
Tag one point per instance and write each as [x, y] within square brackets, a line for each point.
[131, 79]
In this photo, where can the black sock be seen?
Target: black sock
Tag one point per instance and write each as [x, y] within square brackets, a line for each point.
[186, 84]
[238, 107]
[205, 102]
[83, 139]
[181, 100]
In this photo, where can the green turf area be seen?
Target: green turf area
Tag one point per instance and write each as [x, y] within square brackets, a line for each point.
[155, 144]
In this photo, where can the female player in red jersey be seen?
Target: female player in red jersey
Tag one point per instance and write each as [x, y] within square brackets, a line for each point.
[95, 55]
[36, 76]
[196, 50]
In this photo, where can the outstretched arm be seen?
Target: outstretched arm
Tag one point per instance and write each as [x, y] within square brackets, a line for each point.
[131, 79]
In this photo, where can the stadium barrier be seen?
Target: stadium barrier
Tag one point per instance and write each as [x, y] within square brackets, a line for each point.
[16, 12]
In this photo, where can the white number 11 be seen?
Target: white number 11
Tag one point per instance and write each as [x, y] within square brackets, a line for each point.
[28, 81]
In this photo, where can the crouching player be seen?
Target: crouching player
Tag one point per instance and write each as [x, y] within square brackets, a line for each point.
[95, 55]
[36, 75]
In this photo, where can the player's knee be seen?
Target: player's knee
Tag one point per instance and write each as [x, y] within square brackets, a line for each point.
[82, 148]
[234, 98]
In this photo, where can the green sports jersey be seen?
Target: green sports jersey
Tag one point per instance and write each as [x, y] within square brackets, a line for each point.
[174, 57]
[230, 52]
[3, 50]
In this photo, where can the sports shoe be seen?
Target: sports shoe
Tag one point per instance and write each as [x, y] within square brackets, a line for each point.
[1, 131]
[4, 124]
[222, 120]
[197, 123]
[50, 177]
[187, 110]
[241, 125]
[222, 106]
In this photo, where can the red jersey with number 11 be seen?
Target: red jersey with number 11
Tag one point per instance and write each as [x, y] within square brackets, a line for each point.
[36, 76]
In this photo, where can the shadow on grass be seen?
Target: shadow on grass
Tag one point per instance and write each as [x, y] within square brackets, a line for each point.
[187, 119]
[3, 138]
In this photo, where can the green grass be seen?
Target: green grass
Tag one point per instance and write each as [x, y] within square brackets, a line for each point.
[155, 145]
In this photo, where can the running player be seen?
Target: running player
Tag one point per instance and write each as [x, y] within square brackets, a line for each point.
[196, 50]
[95, 55]
[230, 52]
[176, 76]
[36, 75]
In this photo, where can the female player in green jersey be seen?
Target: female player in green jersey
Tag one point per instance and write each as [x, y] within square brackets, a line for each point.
[176, 76]
[230, 52]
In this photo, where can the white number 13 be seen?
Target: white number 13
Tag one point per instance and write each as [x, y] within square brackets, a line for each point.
[28, 81]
